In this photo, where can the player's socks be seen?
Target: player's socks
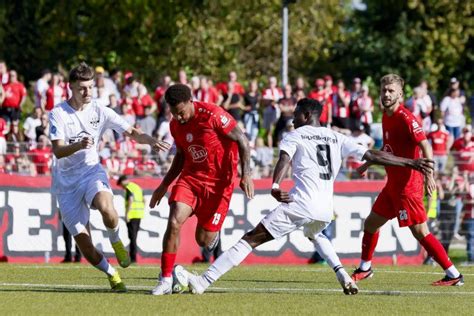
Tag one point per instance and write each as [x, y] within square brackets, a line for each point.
[105, 266]
[113, 234]
[167, 264]
[369, 242]
[229, 259]
[434, 248]
[326, 251]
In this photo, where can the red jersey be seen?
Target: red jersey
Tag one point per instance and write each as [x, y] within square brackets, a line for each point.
[210, 156]
[402, 133]
[322, 97]
[223, 86]
[439, 142]
[40, 158]
[14, 93]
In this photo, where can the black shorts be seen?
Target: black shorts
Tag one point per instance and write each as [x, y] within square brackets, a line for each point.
[10, 114]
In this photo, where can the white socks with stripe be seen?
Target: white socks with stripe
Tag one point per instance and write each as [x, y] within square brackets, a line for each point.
[113, 234]
[229, 259]
[105, 266]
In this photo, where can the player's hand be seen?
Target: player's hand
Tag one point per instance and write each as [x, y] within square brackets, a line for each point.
[424, 165]
[430, 184]
[157, 195]
[160, 145]
[281, 196]
[87, 142]
[246, 184]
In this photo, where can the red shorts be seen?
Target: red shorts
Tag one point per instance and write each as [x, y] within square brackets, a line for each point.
[209, 203]
[409, 210]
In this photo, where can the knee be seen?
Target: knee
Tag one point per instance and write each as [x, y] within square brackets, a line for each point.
[174, 225]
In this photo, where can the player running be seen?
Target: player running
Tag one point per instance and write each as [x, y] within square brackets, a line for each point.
[316, 155]
[80, 182]
[208, 145]
[402, 196]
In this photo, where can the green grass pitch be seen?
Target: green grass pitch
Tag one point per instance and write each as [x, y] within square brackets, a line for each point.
[78, 289]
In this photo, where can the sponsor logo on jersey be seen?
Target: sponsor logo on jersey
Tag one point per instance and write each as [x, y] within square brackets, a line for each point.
[94, 121]
[189, 137]
[78, 137]
[53, 130]
[198, 153]
[416, 127]
[327, 139]
[225, 120]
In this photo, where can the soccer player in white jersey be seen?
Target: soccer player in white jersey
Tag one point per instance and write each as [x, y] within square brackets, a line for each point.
[80, 182]
[315, 154]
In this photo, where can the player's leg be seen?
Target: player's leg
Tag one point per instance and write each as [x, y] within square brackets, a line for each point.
[328, 253]
[103, 201]
[275, 225]
[435, 250]
[179, 213]
[382, 211]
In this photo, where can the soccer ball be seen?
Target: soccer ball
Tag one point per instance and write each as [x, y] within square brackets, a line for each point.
[180, 279]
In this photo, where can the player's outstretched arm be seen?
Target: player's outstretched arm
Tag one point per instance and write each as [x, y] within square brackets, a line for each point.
[171, 175]
[62, 150]
[146, 139]
[430, 183]
[377, 157]
[246, 183]
[281, 169]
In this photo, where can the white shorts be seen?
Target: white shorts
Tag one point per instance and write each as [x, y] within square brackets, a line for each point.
[283, 220]
[75, 206]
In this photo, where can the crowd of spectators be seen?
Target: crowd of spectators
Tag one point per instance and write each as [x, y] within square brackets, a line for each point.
[264, 112]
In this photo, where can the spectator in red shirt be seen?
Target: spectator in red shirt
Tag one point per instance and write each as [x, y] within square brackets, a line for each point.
[320, 94]
[147, 167]
[463, 151]
[222, 87]
[15, 96]
[55, 93]
[142, 101]
[365, 107]
[206, 93]
[440, 141]
[160, 91]
[340, 106]
[3, 132]
[41, 156]
[354, 113]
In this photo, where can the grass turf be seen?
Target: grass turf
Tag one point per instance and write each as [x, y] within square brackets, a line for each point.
[264, 290]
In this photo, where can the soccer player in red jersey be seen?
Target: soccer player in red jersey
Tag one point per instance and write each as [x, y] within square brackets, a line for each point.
[402, 196]
[208, 145]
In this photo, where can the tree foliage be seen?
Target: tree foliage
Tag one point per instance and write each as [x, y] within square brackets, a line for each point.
[430, 39]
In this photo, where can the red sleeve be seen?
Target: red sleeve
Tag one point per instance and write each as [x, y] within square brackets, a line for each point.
[222, 122]
[147, 100]
[415, 129]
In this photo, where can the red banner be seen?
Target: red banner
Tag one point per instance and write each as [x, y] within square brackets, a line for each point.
[30, 230]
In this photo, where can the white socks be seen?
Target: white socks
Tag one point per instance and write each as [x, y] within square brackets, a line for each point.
[452, 272]
[326, 251]
[113, 234]
[365, 265]
[105, 266]
[229, 259]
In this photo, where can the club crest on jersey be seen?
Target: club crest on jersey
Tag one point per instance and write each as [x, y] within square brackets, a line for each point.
[189, 137]
[198, 153]
[94, 121]
[387, 148]
[224, 120]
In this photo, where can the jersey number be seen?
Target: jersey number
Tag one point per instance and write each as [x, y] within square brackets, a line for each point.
[216, 219]
[324, 150]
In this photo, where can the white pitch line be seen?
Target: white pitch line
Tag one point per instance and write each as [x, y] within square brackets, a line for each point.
[240, 290]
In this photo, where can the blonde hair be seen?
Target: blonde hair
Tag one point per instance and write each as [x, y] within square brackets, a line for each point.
[392, 78]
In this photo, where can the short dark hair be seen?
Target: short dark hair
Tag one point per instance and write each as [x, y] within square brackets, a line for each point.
[82, 72]
[310, 105]
[121, 179]
[177, 93]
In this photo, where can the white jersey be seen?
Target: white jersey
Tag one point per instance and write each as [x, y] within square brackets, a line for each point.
[317, 154]
[71, 126]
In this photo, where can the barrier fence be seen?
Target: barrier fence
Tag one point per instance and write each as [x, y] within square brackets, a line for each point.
[31, 231]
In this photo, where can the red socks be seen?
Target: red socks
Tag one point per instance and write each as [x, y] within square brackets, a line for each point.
[436, 251]
[369, 242]
[167, 264]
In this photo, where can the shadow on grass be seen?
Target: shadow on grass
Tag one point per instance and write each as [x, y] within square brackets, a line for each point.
[75, 291]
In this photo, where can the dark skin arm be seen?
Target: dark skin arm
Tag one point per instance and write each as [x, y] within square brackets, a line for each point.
[377, 157]
[171, 175]
[281, 170]
[246, 183]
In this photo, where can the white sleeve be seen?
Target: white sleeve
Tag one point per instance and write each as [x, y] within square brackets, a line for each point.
[56, 127]
[351, 148]
[444, 104]
[289, 144]
[115, 121]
